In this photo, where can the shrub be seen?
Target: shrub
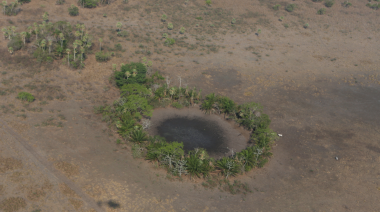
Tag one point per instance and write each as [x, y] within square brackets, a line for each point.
[276, 7]
[306, 26]
[182, 30]
[249, 115]
[373, 6]
[169, 41]
[102, 56]
[25, 96]
[164, 17]
[123, 34]
[290, 7]
[199, 18]
[208, 2]
[73, 10]
[233, 21]
[317, 0]
[177, 105]
[197, 163]
[60, 2]
[23, 1]
[158, 150]
[15, 43]
[88, 3]
[228, 166]
[329, 3]
[321, 11]
[138, 136]
[170, 26]
[346, 4]
[226, 105]
[122, 79]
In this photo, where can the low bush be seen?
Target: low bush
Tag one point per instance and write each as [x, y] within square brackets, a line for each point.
[102, 56]
[321, 11]
[25, 96]
[88, 3]
[346, 4]
[60, 2]
[373, 6]
[208, 2]
[73, 10]
[138, 136]
[276, 7]
[16, 43]
[123, 34]
[130, 73]
[23, 1]
[329, 3]
[170, 26]
[290, 7]
[169, 41]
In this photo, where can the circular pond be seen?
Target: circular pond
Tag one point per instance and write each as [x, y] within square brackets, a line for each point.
[198, 130]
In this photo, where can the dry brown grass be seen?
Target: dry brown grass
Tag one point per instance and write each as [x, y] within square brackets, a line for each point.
[12, 204]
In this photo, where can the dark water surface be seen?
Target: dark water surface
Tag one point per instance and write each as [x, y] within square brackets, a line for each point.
[194, 133]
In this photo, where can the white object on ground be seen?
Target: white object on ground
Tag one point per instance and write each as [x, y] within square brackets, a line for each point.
[336, 158]
[279, 135]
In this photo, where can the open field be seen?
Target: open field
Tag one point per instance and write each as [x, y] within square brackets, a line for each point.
[319, 84]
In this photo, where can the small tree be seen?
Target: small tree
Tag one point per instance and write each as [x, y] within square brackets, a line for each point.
[233, 21]
[170, 26]
[68, 56]
[50, 42]
[100, 41]
[23, 36]
[62, 38]
[45, 16]
[73, 10]
[182, 30]
[164, 17]
[10, 49]
[208, 2]
[43, 44]
[119, 25]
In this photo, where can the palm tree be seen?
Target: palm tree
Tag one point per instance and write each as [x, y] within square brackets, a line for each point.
[62, 38]
[10, 49]
[134, 72]
[50, 42]
[4, 4]
[172, 92]
[36, 30]
[13, 28]
[68, 56]
[82, 52]
[77, 34]
[45, 16]
[100, 41]
[5, 32]
[127, 74]
[23, 35]
[43, 44]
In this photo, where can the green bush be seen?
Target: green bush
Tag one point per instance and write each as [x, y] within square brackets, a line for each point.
[228, 166]
[102, 56]
[122, 79]
[158, 150]
[134, 89]
[249, 115]
[73, 10]
[208, 2]
[198, 163]
[170, 26]
[138, 136]
[25, 96]
[23, 1]
[321, 11]
[88, 3]
[373, 6]
[15, 43]
[317, 0]
[346, 4]
[60, 2]
[123, 34]
[177, 105]
[290, 7]
[169, 41]
[276, 7]
[329, 3]
[164, 17]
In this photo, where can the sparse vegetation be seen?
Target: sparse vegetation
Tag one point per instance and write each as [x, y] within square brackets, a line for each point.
[329, 3]
[346, 4]
[102, 56]
[276, 7]
[208, 2]
[170, 26]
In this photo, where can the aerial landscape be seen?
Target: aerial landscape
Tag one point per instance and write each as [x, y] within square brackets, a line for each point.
[189, 105]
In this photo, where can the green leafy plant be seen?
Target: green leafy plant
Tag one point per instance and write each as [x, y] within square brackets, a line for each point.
[138, 136]
[73, 10]
[136, 71]
[208, 2]
[164, 17]
[198, 163]
[177, 105]
[281, 18]
[123, 33]
[290, 7]
[102, 56]
[306, 26]
[169, 41]
[276, 7]
[329, 3]
[170, 26]
[346, 4]
[88, 3]
[233, 21]
[60, 2]
[321, 11]
[25, 96]
[199, 18]
[182, 30]
[228, 166]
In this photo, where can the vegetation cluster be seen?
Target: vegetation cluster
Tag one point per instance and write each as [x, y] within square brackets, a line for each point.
[140, 94]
